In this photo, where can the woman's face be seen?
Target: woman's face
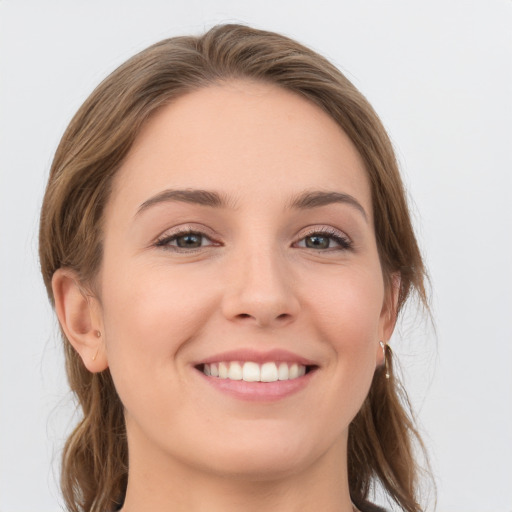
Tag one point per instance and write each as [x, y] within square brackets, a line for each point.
[239, 241]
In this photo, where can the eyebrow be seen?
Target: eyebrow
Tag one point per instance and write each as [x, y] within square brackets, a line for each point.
[304, 201]
[316, 199]
[193, 196]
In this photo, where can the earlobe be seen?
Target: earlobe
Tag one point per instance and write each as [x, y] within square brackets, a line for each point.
[390, 308]
[388, 319]
[79, 317]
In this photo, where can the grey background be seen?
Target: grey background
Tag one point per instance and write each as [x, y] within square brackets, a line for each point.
[440, 75]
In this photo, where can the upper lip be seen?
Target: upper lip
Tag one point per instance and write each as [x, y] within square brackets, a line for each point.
[256, 356]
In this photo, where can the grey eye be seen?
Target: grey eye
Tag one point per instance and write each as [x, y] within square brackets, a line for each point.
[190, 240]
[185, 240]
[323, 240]
[317, 242]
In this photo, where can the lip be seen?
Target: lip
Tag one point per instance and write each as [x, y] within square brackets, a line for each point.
[275, 355]
[257, 391]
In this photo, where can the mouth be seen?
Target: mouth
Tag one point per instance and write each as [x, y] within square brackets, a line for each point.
[248, 374]
[251, 371]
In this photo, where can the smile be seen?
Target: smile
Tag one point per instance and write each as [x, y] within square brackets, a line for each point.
[250, 371]
[248, 374]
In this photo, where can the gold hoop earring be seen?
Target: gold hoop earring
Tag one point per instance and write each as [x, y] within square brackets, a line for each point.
[385, 349]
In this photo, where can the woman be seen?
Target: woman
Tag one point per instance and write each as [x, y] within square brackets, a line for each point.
[227, 244]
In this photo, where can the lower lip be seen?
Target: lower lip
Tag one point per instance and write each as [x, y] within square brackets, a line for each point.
[259, 391]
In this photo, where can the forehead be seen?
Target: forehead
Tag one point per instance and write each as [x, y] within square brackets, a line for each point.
[249, 140]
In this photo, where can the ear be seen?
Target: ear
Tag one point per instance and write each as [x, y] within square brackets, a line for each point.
[388, 315]
[79, 315]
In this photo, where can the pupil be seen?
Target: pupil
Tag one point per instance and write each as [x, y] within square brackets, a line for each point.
[317, 242]
[189, 240]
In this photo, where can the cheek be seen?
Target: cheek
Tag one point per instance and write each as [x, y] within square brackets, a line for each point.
[348, 306]
[150, 316]
[346, 313]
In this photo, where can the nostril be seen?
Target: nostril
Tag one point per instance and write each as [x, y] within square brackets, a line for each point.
[264, 318]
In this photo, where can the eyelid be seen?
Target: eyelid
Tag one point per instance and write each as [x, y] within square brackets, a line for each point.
[331, 232]
[182, 230]
[344, 241]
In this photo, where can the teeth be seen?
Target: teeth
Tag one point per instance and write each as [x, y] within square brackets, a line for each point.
[251, 372]
[269, 372]
[235, 371]
[283, 372]
[223, 370]
[254, 372]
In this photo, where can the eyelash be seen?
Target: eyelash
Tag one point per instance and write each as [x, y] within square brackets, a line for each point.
[344, 243]
[164, 241]
[342, 240]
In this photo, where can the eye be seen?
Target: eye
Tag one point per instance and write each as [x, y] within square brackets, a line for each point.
[184, 240]
[324, 240]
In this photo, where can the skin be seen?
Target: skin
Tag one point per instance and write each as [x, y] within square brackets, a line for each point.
[253, 283]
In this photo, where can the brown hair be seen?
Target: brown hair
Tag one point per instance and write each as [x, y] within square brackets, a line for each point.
[95, 459]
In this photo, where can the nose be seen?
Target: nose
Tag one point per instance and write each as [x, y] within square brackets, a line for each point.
[260, 289]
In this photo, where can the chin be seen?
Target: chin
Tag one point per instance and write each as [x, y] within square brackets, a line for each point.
[266, 456]
[259, 467]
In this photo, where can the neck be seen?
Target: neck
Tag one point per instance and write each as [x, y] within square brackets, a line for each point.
[168, 485]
